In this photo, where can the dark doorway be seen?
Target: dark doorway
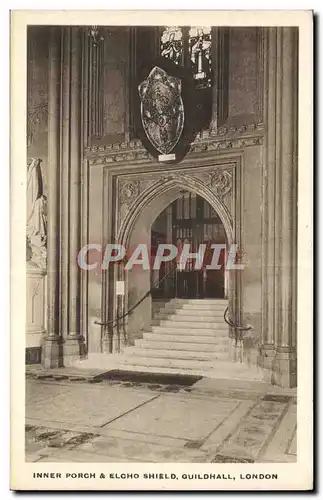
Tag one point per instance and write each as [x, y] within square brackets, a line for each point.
[189, 220]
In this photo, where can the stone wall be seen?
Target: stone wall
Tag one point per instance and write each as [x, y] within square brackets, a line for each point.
[84, 192]
[115, 84]
[243, 75]
[252, 248]
[37, 118]
[37, 95]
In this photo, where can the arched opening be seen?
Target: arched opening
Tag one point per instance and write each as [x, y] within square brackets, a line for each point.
[136, 229]
[189, 220]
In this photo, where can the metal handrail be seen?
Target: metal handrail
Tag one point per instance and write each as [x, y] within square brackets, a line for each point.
[235, 325]
[116, 320]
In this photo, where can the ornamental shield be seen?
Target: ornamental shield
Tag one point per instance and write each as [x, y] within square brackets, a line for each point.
[162, 109]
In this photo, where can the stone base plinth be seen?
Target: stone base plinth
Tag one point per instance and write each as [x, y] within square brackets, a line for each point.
[265, 361]
[74, 349]
[94, 334]
[235, 350]
[107, 344]
[113, 344]
[35, 304]
[284, 368]
[52, 353]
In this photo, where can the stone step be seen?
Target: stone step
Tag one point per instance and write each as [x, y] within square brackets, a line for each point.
[169, 309]
[175, 354]
[188, 324]
[179, 364]
[188, 313]
[195, 319]
[203, 307]
[192, 332]
[222, 370]
[122, 365]
[221, 346]
[188, 335]
[221, 302]
[171, 336]
[184, 316]
[193, 325]
[173, 308]
[196, 302]
[160, 304]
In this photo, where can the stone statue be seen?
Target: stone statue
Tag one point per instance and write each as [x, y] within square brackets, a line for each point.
[36, 215]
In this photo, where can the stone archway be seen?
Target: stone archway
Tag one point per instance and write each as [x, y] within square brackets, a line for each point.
[166, 191]
[135, 228]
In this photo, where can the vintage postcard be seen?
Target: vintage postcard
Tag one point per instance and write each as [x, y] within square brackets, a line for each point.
[161, 208]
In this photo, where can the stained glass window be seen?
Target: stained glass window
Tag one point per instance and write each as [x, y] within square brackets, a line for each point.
[199, 44]
[172, 44]
[195, 43]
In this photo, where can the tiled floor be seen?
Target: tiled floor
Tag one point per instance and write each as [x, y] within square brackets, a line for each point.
[212, 421]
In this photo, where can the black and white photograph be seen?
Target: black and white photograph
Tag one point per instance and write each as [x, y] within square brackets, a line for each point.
[162, 260]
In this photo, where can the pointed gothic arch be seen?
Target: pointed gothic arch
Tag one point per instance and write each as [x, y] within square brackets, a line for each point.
[135, 227]
[166, 190]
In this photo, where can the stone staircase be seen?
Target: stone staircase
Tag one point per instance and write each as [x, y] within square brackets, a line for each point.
[186, 337]
[186, 334]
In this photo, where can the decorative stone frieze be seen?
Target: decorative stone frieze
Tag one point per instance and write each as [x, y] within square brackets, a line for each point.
[227, 138]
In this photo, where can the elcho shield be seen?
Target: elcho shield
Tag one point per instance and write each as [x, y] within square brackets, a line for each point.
[162, 110]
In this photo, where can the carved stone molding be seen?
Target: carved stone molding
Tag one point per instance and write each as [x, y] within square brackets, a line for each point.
[170, 177]
[221, 182]
[226, 138]
[129, 191]
[216, 179]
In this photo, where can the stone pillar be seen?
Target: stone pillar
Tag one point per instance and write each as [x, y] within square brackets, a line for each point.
[284, 365]
[131, 71]
[278, 349]
[267, 352]
[74, 340]
[220, 85]
[65, 174]
[169, 239]
[51, 348]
